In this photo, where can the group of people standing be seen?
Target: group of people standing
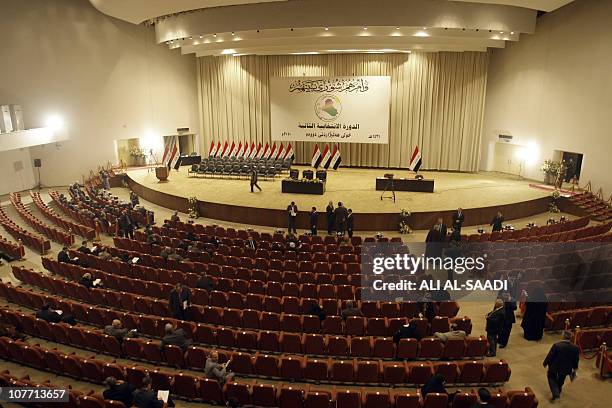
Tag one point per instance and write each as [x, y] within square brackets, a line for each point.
[339, 219]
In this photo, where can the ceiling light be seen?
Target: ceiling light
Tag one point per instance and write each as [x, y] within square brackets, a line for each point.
[365, 28]
[233, 33]
[200, 36]
[326, 28]
[305, 53]
[228, 51]
[55, 122]
[214, 35]
[501, 32]
[421, 34]
[424, 28]
[511, 32]
[397, 28]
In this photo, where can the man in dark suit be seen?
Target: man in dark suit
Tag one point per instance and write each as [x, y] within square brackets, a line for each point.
[484, 396]
[509, 319]
[64, 257]
[146, 397]
[117, 330]
[458, 218]
[562, 360]
[175, 337]
[329, 211]
[180, 298]
[292, 212]
[84, 249]
[254, 180]
[119, 391]
[495, 324]
[340, 214]
[52, 316]
[497, 221]
[314, 218]
[350, 223]
[126, 226]
[443, 230]
[205, 282]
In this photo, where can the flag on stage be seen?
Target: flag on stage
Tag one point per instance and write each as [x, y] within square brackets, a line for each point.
[316, 157]
[280, 154]
[326, 157]
[415, 160]
[218, 149]
[171, 151]
[266, 152]
[247, 151]
[241, 149]
[254, 151]
[225, 150]
[213, 149]
[336, 159]
[272, 152]
[289, 155]
[233, 150]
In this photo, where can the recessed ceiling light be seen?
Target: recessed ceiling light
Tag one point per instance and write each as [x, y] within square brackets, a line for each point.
[191, 38]
[201, 36]
[421, 34]
[233, 33]
[501, 32]
[365, 28]
[424, 28]
[305, 53]
[397, 28]
[228, 51]
[511, 32]
[214, 35]
[326, 28]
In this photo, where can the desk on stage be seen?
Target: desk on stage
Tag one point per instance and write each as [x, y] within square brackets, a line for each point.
[188, 160]
[302, 187]
[404, 184]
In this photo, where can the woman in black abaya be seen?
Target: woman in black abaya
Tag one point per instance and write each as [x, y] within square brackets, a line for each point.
[534, 317]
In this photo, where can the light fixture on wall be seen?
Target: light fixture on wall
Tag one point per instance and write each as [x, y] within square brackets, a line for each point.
[55, 122]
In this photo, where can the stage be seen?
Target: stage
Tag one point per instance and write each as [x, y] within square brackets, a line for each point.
[481, 195]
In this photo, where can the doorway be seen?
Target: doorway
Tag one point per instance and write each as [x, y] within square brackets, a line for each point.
[573, 164]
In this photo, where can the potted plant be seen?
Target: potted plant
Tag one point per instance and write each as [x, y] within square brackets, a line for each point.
[193, 207]
[551, 169]
[404, 227]
[552, 207]
[138, 156]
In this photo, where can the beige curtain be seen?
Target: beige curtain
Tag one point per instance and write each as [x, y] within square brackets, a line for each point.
[437, 103]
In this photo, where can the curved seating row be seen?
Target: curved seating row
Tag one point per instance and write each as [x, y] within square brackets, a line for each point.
[283, 367]
[34, 241]
[535, 233]
[12, 249]
[255, 338]
[67, 225]
[588, 339]
[589, 317]
[61, 203]
[51, 232]
[190, 387]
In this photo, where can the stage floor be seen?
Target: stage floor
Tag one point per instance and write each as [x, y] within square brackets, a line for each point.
[355, 188]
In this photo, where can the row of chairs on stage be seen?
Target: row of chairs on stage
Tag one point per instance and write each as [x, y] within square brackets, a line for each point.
[239, 167]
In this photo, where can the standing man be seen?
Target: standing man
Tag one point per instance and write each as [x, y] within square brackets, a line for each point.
[509, 319]
[340, 214]
[495, 323]
[329, 211]
[562, 360]
[292, 212]
[349, 223]
[497, 221]
[180, 299]
[442, 229]
[458, 218]
[125, 225]
[314, 217]
[254, 179]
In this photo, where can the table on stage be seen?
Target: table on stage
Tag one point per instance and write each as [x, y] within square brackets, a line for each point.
[302, 187]
[406, 184]
[189, 160]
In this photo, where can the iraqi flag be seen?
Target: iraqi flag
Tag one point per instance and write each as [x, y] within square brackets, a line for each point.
[254, 151]
[326, 158]
[280, 154]
[289, 155]
[241, 149]
[259, 154]
[336, 159]
[247, 150]
[415, 160]
[218, 149]
[225, 150]
[213, 149]
[233, 150]
[266, 152]
[171, 151]
[272, 152]
[316, 157]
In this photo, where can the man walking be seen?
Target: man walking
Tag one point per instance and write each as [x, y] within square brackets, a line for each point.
[495, 323]
[562, 360]
[254, 180]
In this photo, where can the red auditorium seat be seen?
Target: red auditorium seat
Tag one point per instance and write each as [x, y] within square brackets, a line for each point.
[264, 395]
[266, 365]
[407, 400]
[316, 369]
[367, 372]
[318, 399]
[290, 397]
[376, 399]
[239, 391]
[291, 367]
[347, 398]
[394, 372]
[337, 346]
[435, 400]
[471, 372]
[314, 344]
[361, 346]
[448, 369]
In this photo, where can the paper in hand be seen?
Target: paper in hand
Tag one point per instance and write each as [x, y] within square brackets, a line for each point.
[163, 395]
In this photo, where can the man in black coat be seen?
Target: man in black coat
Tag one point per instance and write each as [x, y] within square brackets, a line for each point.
[458, 218]
[146, 397]
[340, 214]
[562, 360]
[254, 180]
[495, 323]
[497, 221]
[292, 212]
[119, 391]
[180, 299]
[64, 257]
[175, 337]
[350, 223]
[84, 249]
[329, 212]
[509, 319]
[443, 230]
[314, 218]
[126, 226]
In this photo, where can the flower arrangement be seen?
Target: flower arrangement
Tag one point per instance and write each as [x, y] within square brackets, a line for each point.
[137, 152]
[403, 226]
[552, 207]
[193, 207]
[305, 180]
[551, 167]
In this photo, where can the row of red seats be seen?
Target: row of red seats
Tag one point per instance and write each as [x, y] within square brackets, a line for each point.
[67, 225]
[37, 242]
[286, 367]
[112, 220]
[247, 318]
[61, 204]
[75, 398]
[596, 316]
[192, 387]
[53, 233]
[143, 219]
[253, 339]
[529, 233]
[589, 339]
[12, 249]
[568, 305]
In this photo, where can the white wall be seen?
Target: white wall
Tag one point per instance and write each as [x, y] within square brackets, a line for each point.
[106, 78]
[16, 180]
[553, 90]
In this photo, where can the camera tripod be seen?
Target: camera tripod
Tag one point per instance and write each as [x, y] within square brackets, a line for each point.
[389, 187]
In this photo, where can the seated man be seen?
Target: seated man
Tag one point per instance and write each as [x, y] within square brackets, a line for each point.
[407, 331]
[350, 310]
[83, 248]
[64, 257]
[87, 281]
[175, 337]
[484, 396]
[146, 397]
[117, 330]
[216, 371]
[54, 316]
[452, 334]
[175, 217]
[119, 391]
[205, 282]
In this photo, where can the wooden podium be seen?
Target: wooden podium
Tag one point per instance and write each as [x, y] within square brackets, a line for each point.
[162, 173]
